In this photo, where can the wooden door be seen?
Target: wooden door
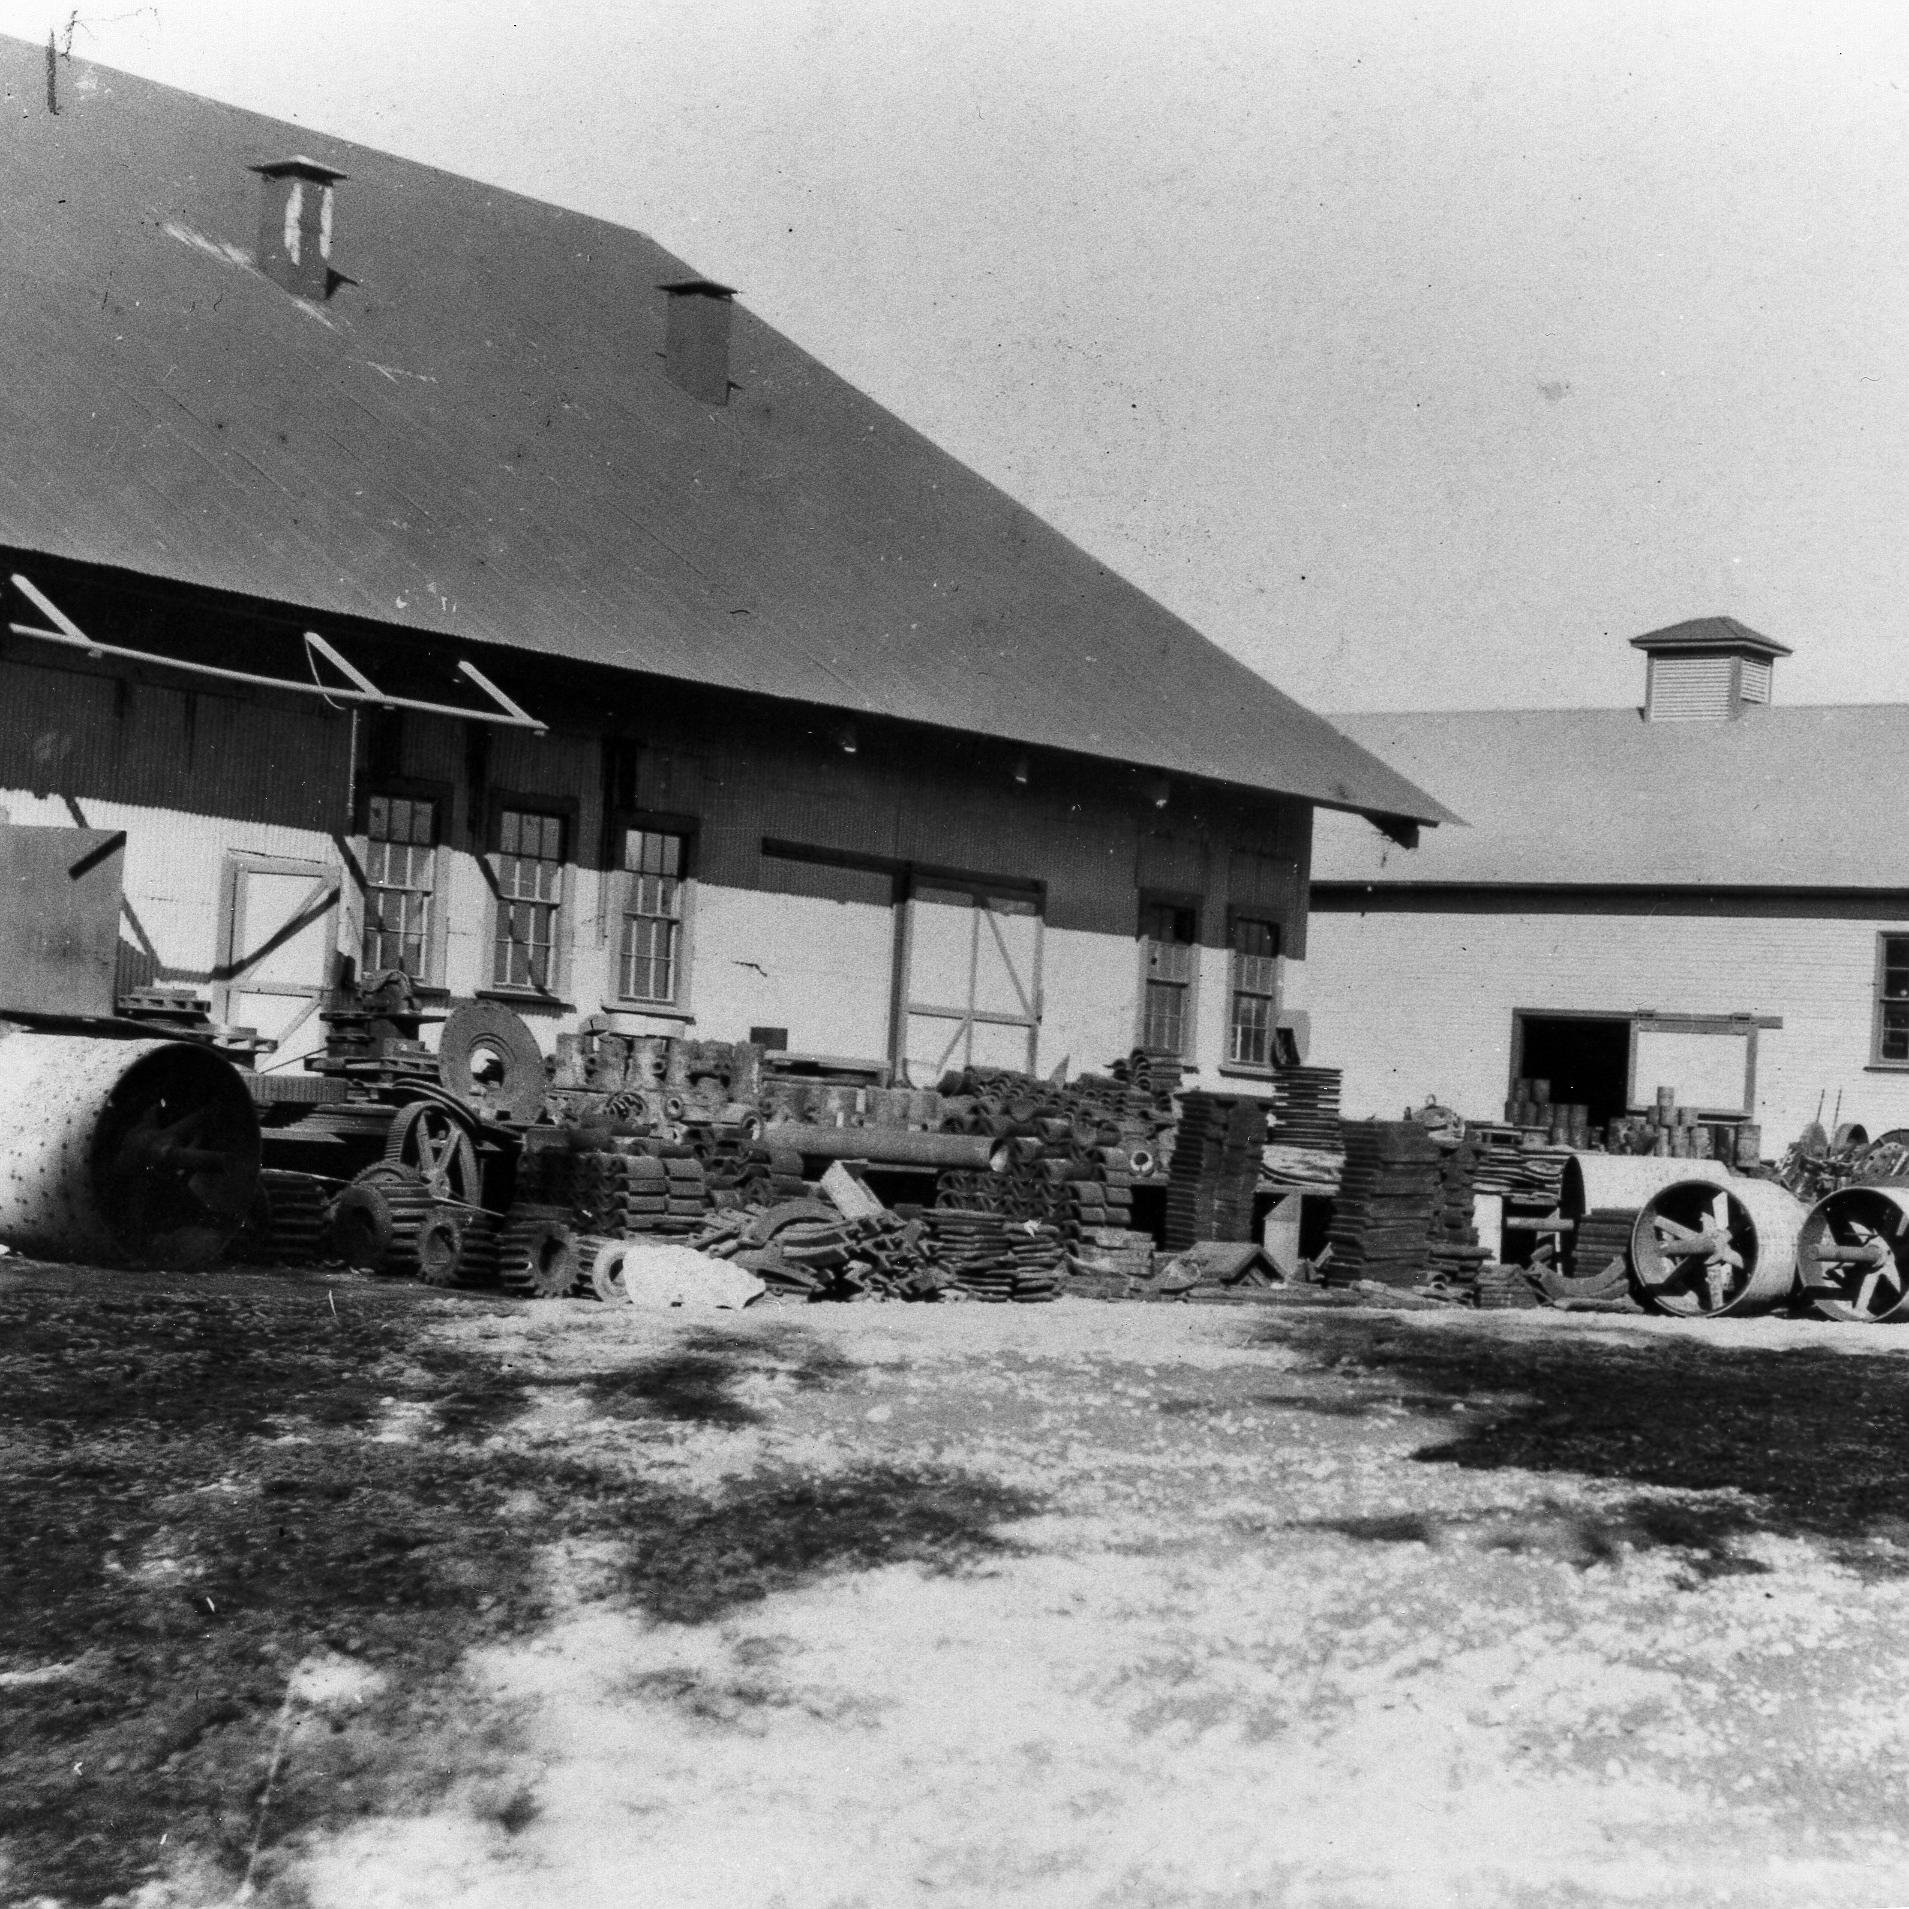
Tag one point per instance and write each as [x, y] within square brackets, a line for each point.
[972, 983]
[280, 940]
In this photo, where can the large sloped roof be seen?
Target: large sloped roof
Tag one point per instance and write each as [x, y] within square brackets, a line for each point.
[477, 440]
[1778, 797]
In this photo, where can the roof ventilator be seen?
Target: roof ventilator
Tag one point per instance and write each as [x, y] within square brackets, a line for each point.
[295, 225]
[696, 337]
[1707, 670]
[507, 714]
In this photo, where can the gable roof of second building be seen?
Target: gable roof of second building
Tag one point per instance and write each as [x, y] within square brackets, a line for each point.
[1776, 798]
[475, 439]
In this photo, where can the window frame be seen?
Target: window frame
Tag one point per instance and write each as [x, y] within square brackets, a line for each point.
[618, 912]
[1185, 902]
[565, 809]
[437, 929]
[1879, 1000]
[1275, 994]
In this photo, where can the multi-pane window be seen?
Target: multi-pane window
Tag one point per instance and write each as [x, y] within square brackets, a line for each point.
[653, 864]
[529, 899]
[1255, 991]
[1166, 941]
[400, 872]
[1892, 999]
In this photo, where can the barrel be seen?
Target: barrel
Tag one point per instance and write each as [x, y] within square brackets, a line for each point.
[141, 1151]
[1702, 1249]
[1853, 1254]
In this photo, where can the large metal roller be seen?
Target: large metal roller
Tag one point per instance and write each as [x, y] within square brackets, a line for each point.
[883, 1146]
[112, 1150]
[1703, 1249]
[1599, 1182]
[1853, 1253]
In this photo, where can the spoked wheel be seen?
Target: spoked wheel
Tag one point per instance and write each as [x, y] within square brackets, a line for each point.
[175, 1157]
[431, 1139]
[1702, 1250]
[1854, 1254]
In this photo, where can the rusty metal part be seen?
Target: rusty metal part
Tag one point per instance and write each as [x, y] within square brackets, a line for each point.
[435, 1142]
[884, 1146]
[437, 1252]
[1853, 1254]
[123, 1150]
[1701, 1249]
[488, 1057]
[537, 1253]
[378, 1220]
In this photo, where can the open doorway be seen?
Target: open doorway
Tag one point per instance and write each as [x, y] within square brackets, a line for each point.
[1585, 1057]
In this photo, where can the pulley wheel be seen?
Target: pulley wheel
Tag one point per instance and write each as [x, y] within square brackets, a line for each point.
[435, 1143]
[1853, 1253]
[1701, 1249]
[488, 1057]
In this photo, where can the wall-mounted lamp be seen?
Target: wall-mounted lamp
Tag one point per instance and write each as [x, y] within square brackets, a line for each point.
[1158, 789]
[845, 737]
[1020, 771]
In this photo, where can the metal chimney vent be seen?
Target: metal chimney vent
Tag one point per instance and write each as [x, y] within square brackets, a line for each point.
[696, 340]
[295, 226]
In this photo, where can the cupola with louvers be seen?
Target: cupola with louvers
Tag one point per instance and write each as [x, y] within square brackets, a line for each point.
[1707, 670]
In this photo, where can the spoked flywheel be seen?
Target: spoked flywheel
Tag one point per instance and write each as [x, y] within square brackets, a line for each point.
[1854, 1254]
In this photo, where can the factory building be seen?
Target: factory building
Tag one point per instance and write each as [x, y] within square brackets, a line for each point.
[1681, 894]
[421, 577]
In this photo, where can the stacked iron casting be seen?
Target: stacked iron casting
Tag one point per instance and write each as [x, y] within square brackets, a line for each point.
[1061, 1186]
[995, 1259]
[1306, 1108]
[808, 1249]
[1382, 1220]
[1453, 1251]
[1215, 1169]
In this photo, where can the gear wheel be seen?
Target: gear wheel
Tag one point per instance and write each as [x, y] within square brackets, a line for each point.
[377, 1222]
[537, 1253]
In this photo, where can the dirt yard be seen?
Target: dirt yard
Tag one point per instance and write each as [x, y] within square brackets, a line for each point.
[332, 1593]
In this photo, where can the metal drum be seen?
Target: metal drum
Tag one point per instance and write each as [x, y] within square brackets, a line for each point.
[1701, 1249]
[1601, 1196]
[1853, 1254]
[145, 1151]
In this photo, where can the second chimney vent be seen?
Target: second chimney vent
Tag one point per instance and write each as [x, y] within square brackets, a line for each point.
[696, 340]
[295, 219]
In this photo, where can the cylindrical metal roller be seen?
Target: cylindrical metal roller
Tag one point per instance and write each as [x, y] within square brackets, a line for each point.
[883, 1146]
[1599, 1200]
[123, 1150]
[1597, 1182]
[1853, 1253]
[1703, 1249]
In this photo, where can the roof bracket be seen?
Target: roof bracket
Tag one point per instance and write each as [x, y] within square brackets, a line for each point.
[1397, 828]
[68, 634]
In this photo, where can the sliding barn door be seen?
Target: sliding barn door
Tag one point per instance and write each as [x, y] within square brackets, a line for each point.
[972, 983]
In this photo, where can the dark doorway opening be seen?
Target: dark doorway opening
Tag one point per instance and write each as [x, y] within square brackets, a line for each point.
[1586, 1058]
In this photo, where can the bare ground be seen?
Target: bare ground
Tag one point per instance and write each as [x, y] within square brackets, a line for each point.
[326, 1592]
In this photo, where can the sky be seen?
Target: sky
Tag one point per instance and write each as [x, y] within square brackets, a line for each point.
[1419, 355]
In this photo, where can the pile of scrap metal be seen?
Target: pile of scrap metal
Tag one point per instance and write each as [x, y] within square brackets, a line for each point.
[1818, 1163]
[809, 1250]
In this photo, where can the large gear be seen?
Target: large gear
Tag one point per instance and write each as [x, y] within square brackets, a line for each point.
[378, 1220]
[537, 1253]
